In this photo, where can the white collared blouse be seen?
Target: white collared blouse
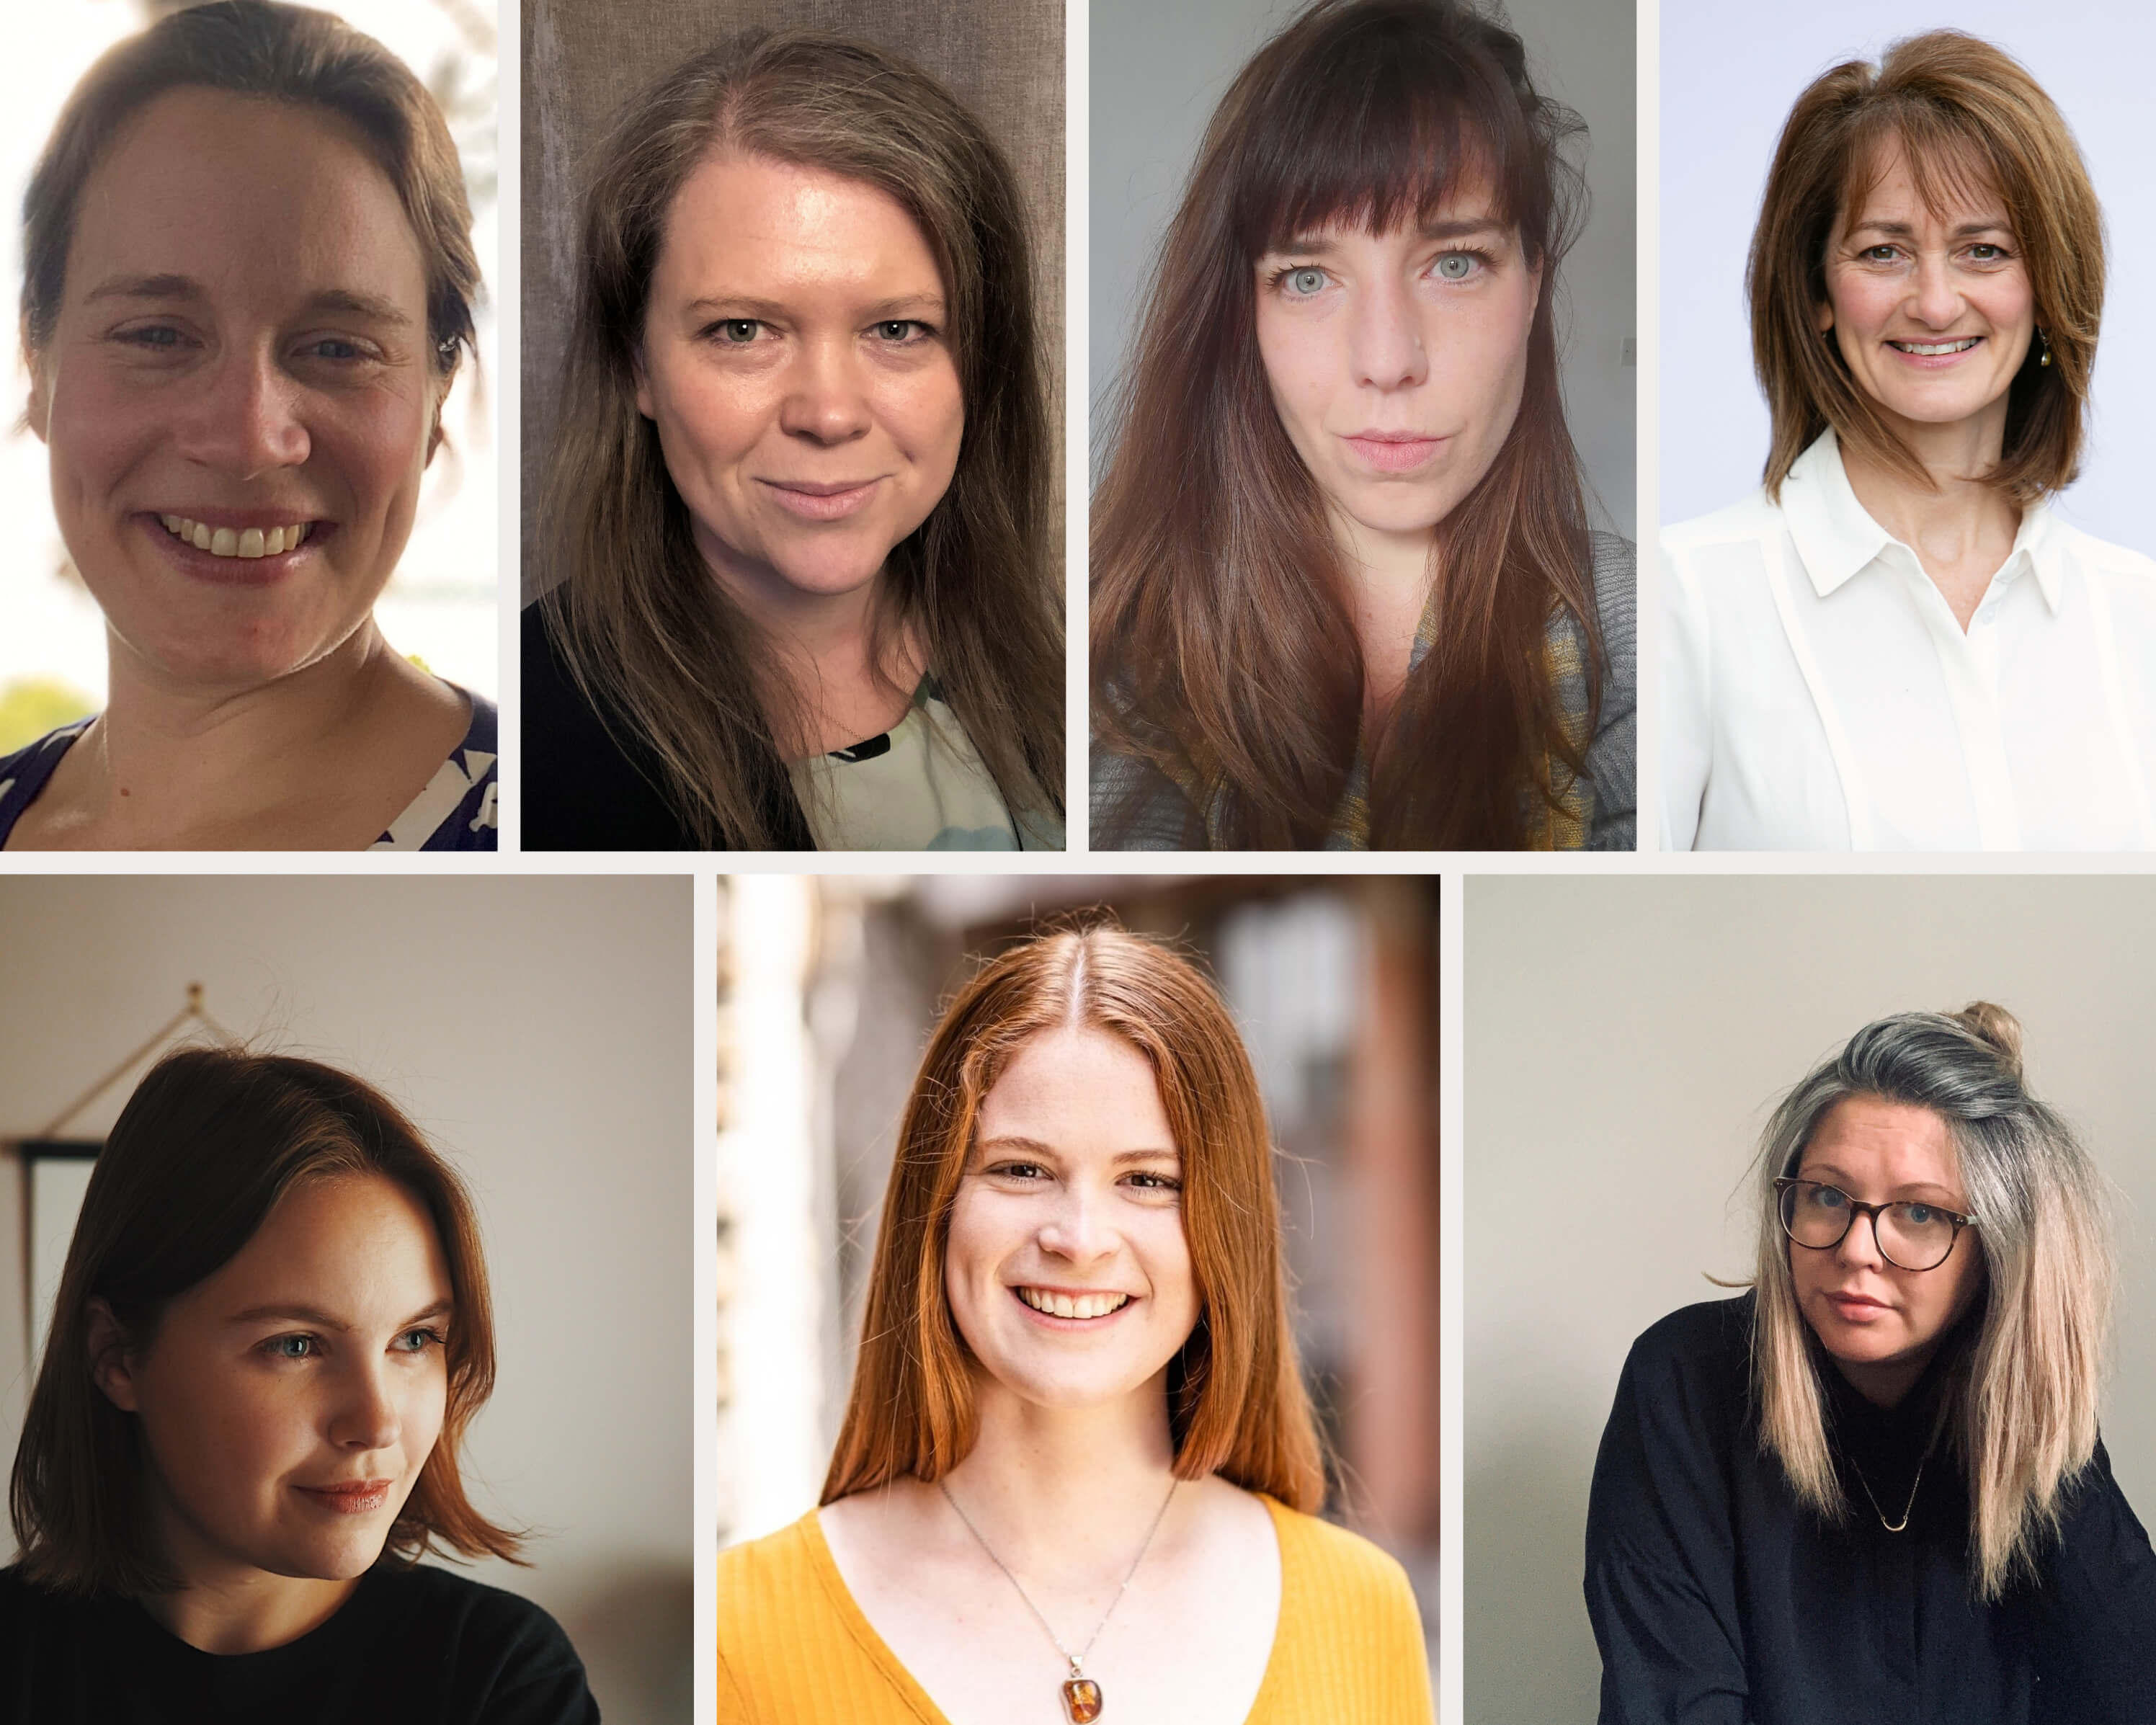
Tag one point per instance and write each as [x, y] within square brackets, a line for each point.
[1819, 694]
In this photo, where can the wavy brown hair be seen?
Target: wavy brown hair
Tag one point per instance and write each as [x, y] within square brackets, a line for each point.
[643, 624]
[1223, 652]
[1969, 121]
[209, 1141]
[1236, 1402]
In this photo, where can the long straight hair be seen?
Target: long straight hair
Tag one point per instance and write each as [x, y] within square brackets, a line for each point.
[2020, 1405]
[1236, 1402]
[1223, 651]
[209, 1141]
[643, 624]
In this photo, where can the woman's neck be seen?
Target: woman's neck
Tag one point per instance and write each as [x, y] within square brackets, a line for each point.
[225, 1605]
[1389, 579]
[1066, 1491]
[1960, 528]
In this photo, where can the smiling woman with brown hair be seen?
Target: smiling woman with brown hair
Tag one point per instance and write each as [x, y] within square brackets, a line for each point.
[802, 596]
[248, 283]
[1873, 1488]
[1344, 591]
[1078, 1467]
[271, 1335]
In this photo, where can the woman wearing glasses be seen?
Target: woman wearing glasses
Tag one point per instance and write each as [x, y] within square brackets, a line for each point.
[1872, 1488]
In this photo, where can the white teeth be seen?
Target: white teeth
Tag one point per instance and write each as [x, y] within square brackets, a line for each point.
[248, 542]
[1064, 1306]
[1930, 348]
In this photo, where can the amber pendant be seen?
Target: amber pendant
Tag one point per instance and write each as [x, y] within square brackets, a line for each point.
[1082, 1700]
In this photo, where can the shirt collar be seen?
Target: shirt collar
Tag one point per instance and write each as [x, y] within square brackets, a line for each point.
[1835, 538]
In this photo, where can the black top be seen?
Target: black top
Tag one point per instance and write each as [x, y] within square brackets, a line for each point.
[590, 781]
[416, 1647]
[1718, 1599]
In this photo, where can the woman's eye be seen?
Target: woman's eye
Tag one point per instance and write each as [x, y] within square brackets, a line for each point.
[1919, 1215]
[1155, 1183]
[1983, 252]
[418, 1341]
[738, 332]
[1827, 1197]
[1019, 1170]
[1303, 283]
[900, 330]
[155, 336]
[334, 347]
[290, 1346]
[1880, 253]
[1457, 266]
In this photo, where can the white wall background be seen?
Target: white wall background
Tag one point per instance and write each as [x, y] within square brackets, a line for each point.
[1725, 95]
[538, 1029]
[1624, 1041]
[1158, 70]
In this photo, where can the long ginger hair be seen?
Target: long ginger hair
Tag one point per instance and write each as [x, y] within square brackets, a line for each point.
[1223, 651]
[1236, 1402]
[642, 623]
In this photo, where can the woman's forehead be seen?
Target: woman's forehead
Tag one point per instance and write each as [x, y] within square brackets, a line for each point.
[1948, 179]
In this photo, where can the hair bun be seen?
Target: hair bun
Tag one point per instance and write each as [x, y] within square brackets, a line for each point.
[1996, 1026]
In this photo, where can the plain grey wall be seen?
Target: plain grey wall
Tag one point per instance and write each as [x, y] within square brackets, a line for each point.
[1725, 94]
[1157, 72]
[1624, 1042]
[583, 58]
[538, 1030]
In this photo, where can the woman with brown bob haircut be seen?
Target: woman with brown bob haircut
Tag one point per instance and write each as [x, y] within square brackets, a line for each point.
[271, 1333]
[1078, 1469]
[1344, 592]
[1896, 644]
[801, 594]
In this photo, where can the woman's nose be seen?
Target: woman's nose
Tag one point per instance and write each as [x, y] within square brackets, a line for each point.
[1860, 1246]
[1934, 299]
[826, 401]
[247, 420]
[365, 1415]
[1076, 1230]
[1386, 341]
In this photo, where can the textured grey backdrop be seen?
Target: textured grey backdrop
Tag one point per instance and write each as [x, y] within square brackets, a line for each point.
[1624, 1041]
[583, 59]
[1157, 72]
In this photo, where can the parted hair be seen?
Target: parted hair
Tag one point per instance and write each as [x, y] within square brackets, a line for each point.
[207, 1144]
[1971, 122]
[289, 54]
[1225, 652]
[637, 617]
[1236, 1402]
[2021, 1407]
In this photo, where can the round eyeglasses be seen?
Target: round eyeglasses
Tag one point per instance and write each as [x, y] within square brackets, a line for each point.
[1911, 1236]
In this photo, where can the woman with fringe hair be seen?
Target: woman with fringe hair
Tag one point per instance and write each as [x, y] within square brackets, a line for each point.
[1871, 1488]
[1344, 591]
[796, 537]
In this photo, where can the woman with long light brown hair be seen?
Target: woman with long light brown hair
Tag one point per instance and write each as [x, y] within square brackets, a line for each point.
[1345, 594]
[1873, 1488]
[1077, 1470]
[801, 593]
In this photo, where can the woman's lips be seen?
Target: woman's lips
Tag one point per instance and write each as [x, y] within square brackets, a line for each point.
[1390, 452]
[1939, 356]
[232, 570]
[1858, 1308]
[359, 1498]
[819, 502]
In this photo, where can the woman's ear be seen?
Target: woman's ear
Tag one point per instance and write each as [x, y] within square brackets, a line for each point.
[109, 1366]
[40, 402]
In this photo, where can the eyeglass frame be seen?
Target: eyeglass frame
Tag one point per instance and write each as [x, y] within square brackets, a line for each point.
[1857, 1207]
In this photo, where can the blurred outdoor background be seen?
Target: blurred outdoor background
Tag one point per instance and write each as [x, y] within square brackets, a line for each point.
[439, 608]
[828, 989]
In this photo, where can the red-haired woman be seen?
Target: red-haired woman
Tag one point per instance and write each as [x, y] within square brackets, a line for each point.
[1344, 592]
[1075, 1475]
[271, 1333]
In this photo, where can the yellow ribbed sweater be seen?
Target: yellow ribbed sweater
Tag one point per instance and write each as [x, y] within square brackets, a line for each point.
[793, 1647]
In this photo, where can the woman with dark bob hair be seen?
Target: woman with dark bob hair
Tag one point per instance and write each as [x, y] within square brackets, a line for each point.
[1873, 1488]
[271, 1333]
[797, 527]
[1344, 591]
[247, 281]
[1077, 1470]
[1896, 644]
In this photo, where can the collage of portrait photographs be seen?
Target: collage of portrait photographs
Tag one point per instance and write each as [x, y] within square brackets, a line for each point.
[1602, 1188]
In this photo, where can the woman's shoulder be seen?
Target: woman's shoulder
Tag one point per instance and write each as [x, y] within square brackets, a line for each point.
[1353, 1573]
[510, 1658]
[1350, 1642]
[1747, 523]
[788, 1560]
[2100, 556]
[24, 773]
[459, 809]
[1697, 1355]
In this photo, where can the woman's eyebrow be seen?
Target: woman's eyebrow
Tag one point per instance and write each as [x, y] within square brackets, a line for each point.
[169, 288]
[322, 1319]
[147, 287]
[1904, 230]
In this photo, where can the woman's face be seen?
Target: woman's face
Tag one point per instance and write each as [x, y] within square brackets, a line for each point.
[1931, 309]
[1866, 1312]
[1397, 359]
[289, 1401]
[241, 355]
[1066, 1267]
[797, 363]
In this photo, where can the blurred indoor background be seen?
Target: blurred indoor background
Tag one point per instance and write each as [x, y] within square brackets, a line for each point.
[828, 989]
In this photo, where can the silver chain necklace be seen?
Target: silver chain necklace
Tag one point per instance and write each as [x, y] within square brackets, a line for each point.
[1081, 1694]
[1908, 1508]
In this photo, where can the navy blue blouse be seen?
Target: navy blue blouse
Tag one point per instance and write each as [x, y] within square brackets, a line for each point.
[1718, 1599]
[455, 812]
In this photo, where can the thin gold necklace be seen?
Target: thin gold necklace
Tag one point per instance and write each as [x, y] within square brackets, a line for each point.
[1081, 1694]
[1908, 1507]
